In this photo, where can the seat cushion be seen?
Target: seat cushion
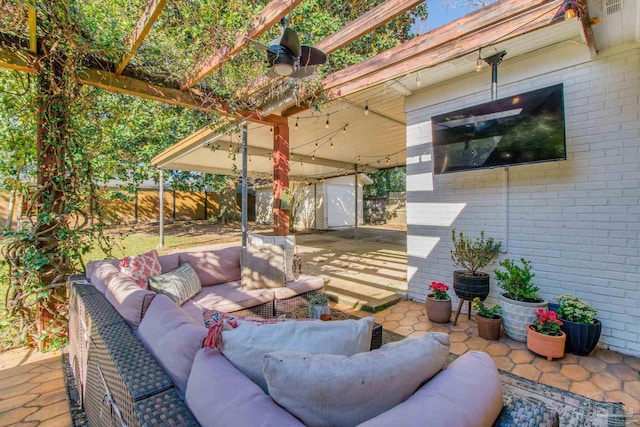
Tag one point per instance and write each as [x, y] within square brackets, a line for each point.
[220, 395]
[262, 267]
[287, 242]
[227, 298]
[179, 285]
[467, 393]
[173, 338]
[303, 283]
[246, 345]
[338, 390]
[214, 266]
[128, 298]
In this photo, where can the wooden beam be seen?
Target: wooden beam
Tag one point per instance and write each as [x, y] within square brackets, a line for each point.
[18, 60]
[33, 35]
[369, 21]
[495, 15]
[366, 77]
[585, 27]
[271, 14]
[142, 28]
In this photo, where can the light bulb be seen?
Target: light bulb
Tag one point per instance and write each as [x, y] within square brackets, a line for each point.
[313, 157]
[296, 127]
[418, 79]
[344, 130]
[332, 145]
[366, 107]
[326, 124]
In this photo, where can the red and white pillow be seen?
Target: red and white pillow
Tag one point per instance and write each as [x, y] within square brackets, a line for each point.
[141, 267]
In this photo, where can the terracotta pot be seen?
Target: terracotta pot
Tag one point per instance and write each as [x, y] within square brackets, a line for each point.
[489, 329]
[548, 346]
[438, 310]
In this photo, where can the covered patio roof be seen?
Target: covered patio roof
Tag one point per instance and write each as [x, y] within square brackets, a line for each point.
[366, 118]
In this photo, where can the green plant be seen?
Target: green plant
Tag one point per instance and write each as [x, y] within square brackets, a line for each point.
[547, 322]
[319, 299]
[473, 254]
[440, 290]
[517, 281]
[571, 308]
[483, 310]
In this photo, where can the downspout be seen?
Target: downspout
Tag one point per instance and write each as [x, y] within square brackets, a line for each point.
[161, 203]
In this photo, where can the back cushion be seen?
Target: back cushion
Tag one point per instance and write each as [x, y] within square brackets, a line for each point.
[287, 242]
[246, 345]
[102, 275]
[92, 265]
[169, 262]
[173, 338]
[220, 395]
[262, 267]
[214, 266]
[129, 299]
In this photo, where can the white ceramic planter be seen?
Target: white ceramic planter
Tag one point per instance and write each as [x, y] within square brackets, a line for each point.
[317, 310]
[516, 315]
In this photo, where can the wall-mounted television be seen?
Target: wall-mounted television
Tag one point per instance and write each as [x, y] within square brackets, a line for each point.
[520, 129]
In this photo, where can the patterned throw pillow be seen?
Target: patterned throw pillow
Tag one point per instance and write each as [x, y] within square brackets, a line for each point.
[141, 267]
[180, 285]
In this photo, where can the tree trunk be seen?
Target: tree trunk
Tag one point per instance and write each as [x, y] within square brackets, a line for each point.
[12, 202]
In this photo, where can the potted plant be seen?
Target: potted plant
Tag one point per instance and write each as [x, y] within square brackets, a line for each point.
[520, 300]
[545, 336]
[438, 303]
[488, 320]
[579, 324]
[318, 305]
[472, 255]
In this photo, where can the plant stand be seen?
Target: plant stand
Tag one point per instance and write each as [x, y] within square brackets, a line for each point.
[462, 300]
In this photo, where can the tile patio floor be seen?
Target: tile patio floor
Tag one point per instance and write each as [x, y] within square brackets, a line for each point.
[32, 389]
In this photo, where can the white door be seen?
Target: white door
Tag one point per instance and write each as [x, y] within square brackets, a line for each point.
[340, 206]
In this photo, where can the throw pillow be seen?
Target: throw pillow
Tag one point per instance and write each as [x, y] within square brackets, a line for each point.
[172, 337]
[141, 267]
[262, 267]
[246, 345]
[289, 244]
[338, 390]
[220, 395]
[180, 285]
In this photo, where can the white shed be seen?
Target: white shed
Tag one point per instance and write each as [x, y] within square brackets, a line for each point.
[330, 203]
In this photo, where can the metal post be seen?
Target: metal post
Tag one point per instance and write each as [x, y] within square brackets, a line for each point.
[161, 203]
[244, 185]
[356, 201]
[494, 61]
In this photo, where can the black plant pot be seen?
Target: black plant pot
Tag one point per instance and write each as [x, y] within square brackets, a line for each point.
[468, 287]
[582, 338]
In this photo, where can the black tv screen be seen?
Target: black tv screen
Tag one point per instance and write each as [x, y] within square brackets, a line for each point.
[525, 128]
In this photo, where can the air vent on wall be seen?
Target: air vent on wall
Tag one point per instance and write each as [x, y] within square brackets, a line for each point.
[613, 6]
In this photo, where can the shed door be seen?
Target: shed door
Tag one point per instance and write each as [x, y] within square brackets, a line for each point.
[340, 206]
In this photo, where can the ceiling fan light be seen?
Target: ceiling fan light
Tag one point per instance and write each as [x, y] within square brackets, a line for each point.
[283, 69]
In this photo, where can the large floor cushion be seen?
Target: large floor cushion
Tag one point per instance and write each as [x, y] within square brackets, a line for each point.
[214, 266]
[228, 298]
[473, 379]
[246, 345]
[173, 338]
[342, 391]
[218, 394]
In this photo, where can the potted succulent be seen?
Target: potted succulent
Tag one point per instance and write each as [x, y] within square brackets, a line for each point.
[545, 336]
[488, 319]
[520, 300]
[579, 324]
[438, 303]
[472, 255]
[318, 305]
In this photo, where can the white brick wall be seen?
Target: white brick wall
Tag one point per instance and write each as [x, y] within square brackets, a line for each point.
[578, 220]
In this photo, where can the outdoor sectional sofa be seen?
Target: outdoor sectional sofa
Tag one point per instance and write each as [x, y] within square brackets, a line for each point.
[137, 359]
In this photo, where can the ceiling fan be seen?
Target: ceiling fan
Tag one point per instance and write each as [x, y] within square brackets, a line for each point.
[287, 57]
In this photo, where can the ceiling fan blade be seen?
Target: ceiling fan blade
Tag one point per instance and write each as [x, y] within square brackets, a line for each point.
[275, 51]
[303, 72]
[289, 40]
[259, 45]
[311, 56]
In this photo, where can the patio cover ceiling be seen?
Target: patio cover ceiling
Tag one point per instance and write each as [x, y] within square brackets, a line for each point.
[371, 142]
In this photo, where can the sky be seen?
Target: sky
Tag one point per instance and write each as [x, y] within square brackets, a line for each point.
[440, 13]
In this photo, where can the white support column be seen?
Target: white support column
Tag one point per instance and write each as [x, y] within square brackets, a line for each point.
[244, 186]
[161, 205]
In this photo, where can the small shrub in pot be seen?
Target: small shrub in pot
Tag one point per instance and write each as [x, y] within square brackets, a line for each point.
[579, 324]
[472, 255]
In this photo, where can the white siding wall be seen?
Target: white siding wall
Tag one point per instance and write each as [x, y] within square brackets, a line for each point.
[578, 220]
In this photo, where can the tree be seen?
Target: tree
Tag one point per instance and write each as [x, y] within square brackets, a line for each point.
[386, 181]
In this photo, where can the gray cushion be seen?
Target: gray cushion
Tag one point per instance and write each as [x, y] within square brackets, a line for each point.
[180, 285]
[263, 267]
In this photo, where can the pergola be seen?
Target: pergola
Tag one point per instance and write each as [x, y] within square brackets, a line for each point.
[377, 86]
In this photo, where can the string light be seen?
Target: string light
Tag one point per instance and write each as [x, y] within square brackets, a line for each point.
[479, 61]
[271, 130]
[344, 130]
[418, 79]
[331, 141]
[291, 156]
[358, 159]
[366, 107]
[297, 120]
[326, 124]
[313, 157]
[316, 143]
